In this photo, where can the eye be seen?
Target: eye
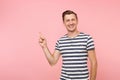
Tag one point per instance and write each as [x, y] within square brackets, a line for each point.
[73, 19]
[67, 20]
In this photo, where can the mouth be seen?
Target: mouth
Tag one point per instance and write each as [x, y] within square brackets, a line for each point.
[71, 26]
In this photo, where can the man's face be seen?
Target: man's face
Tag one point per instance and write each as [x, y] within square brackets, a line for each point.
[70, 22]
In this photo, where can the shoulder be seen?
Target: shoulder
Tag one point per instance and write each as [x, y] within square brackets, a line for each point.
[62, 38]
[85, 34]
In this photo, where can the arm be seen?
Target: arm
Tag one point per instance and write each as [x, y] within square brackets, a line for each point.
[93, 64]
[51, 57]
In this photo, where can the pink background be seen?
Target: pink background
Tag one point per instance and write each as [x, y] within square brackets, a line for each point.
[21, 57]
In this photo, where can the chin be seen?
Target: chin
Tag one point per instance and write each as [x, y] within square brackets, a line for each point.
[71, 30]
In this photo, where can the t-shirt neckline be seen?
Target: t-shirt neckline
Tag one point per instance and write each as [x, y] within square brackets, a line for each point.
[74, 36]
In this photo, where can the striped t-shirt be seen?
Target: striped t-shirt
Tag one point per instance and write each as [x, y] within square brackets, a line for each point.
[74, 56]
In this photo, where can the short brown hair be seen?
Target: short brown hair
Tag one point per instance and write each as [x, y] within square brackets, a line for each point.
[67, 12]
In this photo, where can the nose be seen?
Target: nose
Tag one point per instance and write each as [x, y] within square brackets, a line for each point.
[71, 22]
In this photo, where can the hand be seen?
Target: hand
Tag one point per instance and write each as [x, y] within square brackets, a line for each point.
[42, 41]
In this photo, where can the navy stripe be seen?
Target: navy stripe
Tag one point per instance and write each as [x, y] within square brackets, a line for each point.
[83, 52]
[78, 74]
[74, 66]
[73, 49]
[79, 77]
[90, 42]
[73, 45]
[74, 56]
[75, 59]
[75, 63]
[75, 70]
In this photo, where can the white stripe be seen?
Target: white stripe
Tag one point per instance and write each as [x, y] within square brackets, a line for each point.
[72, 69]
[65, 58]
[77, 72]
[75, 54]
[90, 44]
[80, 47]
[90, 47]
[74, 44]
[73, 51]
[74, 40]
[74, 61]
[78, 76]
[66, 38]
[74, 65]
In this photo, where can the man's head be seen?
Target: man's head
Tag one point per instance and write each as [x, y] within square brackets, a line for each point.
[68, 12]
[70, 20]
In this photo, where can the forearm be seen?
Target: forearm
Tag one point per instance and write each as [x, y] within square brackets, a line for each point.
[93, 71]
[48, 55]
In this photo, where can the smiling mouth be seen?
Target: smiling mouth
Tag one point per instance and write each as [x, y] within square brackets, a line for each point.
[71, 26]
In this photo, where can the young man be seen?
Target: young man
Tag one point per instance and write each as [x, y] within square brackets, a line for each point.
[75, 48]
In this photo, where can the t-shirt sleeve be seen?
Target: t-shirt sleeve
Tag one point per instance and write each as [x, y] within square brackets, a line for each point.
[57, 46]
[90, 43]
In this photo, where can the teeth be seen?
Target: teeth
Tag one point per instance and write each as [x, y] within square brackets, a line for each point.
[71, 26]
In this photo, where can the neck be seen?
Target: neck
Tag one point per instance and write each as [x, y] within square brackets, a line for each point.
[73, 34]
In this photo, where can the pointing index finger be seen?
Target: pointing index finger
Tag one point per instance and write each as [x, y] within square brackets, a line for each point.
[41, 36]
